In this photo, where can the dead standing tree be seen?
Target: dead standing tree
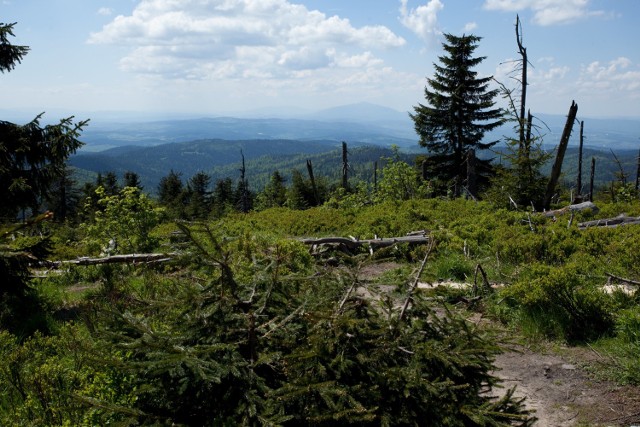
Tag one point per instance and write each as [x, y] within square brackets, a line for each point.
[525, 136]
[345, 166]
[244, 188]
[578, 197]
[562, 148]
[313, 182]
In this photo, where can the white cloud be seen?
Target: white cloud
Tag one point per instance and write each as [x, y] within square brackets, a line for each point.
[213, 39]
[546, 12]
[470, 27]
[105, 11]
[616, 76]
[423, 20]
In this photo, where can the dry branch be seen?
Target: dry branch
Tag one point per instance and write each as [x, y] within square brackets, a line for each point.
[414, 285]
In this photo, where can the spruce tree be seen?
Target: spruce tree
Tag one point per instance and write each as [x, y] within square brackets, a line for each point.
[10, 55]
[199, 205]
[459, 111]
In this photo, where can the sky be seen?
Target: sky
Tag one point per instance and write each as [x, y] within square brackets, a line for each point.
[222, 57]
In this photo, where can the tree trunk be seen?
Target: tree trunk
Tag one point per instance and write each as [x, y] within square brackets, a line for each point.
[638, 173]
[244, 191]
[313, 182]
[345, 166]
[579, 183]
[562, 148]
[592, 178]
[375, 177]
[523, 84]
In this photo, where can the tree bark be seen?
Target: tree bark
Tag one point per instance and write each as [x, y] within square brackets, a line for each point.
[610, 222]
[352, 243]
[345, 166]
[313, 182]
[579, 182]
[562, 148]
[572, 208]
[592, 178]
[114, 259]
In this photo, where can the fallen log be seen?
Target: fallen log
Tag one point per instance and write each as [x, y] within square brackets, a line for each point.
[378, 242]
[622, 279]
[617, 221]
[572, 208]
[113, 259]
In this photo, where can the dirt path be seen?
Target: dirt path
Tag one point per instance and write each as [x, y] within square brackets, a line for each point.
[563, 394]
[556, 384]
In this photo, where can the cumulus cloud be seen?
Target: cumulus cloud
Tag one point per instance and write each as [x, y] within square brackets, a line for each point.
[215, 39]
[105, 11]
[617, 75]
[423, 20]
[546, 12]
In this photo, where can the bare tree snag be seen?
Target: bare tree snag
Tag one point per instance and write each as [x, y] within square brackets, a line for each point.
[592, 178]
[375, 177]
[244, 194]
[579, 181]
[562, 148]
[638, 173]
[313, 182]
[345, 166]
[523, 83]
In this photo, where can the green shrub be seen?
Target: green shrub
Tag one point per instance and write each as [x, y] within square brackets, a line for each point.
[560, 302]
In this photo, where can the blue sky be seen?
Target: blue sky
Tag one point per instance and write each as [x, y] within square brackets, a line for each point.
[219, 57]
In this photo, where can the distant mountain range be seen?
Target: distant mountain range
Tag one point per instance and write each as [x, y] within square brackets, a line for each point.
[358, 123]
[213, 145]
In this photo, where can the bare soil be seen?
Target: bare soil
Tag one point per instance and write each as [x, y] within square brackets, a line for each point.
[562, 392]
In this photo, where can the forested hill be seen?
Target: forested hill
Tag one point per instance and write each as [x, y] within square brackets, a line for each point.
[222, 158]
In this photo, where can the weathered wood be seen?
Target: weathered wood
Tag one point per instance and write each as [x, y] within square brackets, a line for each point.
[416, 281]
[579, 181]
[622, 279]
[621, 219]
[114, 259]
[313, 182]
[345, 166]
[562, 148]
[572, 208]
[375, 243]
[592, 178]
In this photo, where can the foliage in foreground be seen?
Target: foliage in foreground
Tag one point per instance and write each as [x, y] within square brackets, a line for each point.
[247, 332]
